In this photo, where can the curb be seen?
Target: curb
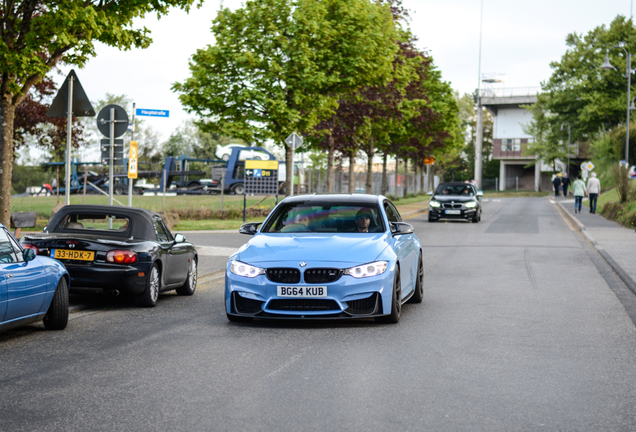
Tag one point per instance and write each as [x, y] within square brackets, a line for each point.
[627, 279]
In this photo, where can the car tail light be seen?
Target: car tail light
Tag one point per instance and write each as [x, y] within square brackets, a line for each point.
[30, 246]
[121, 257]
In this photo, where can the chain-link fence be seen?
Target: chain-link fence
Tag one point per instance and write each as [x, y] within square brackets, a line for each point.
[316, 182]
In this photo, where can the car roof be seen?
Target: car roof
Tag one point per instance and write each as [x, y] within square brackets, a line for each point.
[455, 184]
[141, 230]
[335, 198]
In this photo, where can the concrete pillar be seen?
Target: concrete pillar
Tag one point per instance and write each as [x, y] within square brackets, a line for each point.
[502, 176]
[537, 176]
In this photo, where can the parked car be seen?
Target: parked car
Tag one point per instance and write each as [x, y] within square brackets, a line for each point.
[455, 200]
[32, 288]
[118, 249]
[224, 152]
[325, 257]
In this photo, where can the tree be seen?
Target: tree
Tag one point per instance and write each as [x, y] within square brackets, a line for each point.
[37, 35]
[279, 66]
[579, 92]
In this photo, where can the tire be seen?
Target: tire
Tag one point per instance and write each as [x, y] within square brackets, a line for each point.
[149, 297]
[190, 284]
[138, 191]
[226, 157]
[418, 296]
[234, 318]
[396, 304]
[119, 190]
[477, 217]
[56, 317]
[238, 189]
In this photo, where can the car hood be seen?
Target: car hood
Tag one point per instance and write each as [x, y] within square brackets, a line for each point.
[346, 248]
[455, 198]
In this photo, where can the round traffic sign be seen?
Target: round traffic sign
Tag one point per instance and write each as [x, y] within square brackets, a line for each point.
[104, 120]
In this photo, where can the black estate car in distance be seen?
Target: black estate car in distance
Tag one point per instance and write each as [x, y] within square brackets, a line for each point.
[455, 200]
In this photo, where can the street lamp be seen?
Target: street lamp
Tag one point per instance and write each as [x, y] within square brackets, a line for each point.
[608, 66]
[568, 147]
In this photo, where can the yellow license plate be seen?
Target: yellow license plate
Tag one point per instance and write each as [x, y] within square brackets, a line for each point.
[73, 254]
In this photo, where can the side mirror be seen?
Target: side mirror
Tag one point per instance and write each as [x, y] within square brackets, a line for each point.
[400, 228]
[179, 238]
[249, 228]
[28, 254]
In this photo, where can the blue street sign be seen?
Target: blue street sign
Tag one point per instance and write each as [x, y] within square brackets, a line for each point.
[152, 112]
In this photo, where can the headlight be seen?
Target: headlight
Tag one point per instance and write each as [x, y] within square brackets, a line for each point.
[367, 270]
[471, 204]
[434, 204]
[242, 269]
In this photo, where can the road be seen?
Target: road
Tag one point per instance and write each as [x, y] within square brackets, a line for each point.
[521, 329]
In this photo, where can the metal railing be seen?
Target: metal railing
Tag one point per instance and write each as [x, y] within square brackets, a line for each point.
[510, 91]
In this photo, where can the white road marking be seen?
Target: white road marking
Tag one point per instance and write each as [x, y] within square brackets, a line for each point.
[215, 251]
[288, 363]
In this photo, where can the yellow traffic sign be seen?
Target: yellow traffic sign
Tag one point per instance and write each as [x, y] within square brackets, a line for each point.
[132, 160]
[429, 160]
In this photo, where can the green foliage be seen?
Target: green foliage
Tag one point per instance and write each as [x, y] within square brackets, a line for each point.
[589, 98]
[27, 176]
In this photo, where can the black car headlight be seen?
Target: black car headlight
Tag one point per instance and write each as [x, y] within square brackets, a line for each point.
[434, 204]
[241, 269]
[471, 204]
[367, 270]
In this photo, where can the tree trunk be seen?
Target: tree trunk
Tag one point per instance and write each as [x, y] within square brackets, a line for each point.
[352, 172]
[397, 165]
[7, 118]
[369, 182]
[289, 165]
[385, 185]
[406, 177]
[330, 156]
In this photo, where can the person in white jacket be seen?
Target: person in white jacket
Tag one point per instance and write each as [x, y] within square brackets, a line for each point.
[593, 190]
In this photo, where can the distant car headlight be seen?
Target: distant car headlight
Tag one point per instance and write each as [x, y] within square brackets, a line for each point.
[367, 270]
[434, 204]
[242, 269]
[471, 204]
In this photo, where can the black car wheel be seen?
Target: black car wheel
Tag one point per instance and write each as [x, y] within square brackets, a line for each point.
[418, 296]
[149, 297]
[396, 301]
[238, 189]
[56, 317]
[477, 217]
[191, 281]
[119, 190]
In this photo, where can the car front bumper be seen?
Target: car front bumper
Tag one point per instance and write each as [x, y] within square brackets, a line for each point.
[347, 297]
[440, 213]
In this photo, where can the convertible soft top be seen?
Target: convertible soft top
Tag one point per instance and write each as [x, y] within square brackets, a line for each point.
[141, 226]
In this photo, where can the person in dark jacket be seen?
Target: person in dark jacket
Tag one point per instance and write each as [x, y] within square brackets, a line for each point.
[565, 182]
[556, 183]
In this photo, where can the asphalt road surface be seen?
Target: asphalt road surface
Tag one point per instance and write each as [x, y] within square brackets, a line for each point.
[521, 329]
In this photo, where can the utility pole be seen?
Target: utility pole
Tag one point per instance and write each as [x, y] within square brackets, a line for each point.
[480, 115]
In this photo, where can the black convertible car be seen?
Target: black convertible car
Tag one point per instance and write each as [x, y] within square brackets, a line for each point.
[118, 249]
[455, 200]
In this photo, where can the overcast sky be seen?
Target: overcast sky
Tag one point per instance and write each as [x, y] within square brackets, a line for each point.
[520, 39]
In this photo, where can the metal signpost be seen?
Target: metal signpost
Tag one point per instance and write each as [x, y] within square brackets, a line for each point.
[71, 100]
[112, 121]
[293, 141]
[261, 178]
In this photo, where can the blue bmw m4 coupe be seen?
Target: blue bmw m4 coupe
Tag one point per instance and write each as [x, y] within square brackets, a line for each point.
[326, 257]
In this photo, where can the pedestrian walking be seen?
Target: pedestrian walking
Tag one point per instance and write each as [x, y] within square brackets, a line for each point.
[565, 182]
[593, 190]
[556, 183]
[578, 187]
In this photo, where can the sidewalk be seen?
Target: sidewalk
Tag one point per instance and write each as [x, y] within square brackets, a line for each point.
[412, 209]
[614, 242]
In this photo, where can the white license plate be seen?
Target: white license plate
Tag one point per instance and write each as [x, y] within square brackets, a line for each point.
[453, 212]
[302, 291]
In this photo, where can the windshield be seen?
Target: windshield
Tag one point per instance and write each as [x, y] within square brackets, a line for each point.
[454, 189]
[325, 217]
